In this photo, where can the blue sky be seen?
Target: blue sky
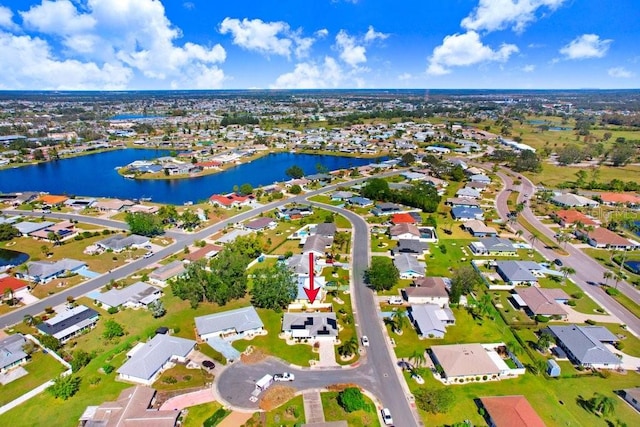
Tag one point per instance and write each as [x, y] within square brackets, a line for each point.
[214, 44]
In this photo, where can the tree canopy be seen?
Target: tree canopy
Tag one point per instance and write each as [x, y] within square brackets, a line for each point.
[273, 287]
[420, 195]
[294, 172]
[64, 387]
[464, 280]
[145, 224]
[434, 401]
[8, 232]
[382, 275]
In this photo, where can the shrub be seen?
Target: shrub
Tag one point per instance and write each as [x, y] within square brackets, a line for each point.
[112, 310]
[541, 319]
[351, 399]
[572, 303]
[169, 380]
[590, 322]
[619, 345]
[108, 369]
[64, 387]
[612, 291]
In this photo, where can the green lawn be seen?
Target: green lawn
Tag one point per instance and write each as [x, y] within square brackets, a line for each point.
[583, 305]
[42, 368]
[185, 378]
[381, 243]
[541, 237]
[298, 354]
[552, 175]
[628, 303]
[440, 263]
[199, 413]
[362, 418]
[288, 414]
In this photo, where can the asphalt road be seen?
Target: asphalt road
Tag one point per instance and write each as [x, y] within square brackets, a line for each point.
[588, 271]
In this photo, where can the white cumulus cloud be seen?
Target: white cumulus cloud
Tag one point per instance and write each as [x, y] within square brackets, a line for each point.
[620, 72]
[350, 50]
[6, 19]
[529, 68]
[60, 17]
[492, 15]
[586, 46]
[372, 35]
[309, 75]
[255, 34]
[459, 50]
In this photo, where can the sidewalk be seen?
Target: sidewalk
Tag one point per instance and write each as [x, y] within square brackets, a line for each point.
[312, 403]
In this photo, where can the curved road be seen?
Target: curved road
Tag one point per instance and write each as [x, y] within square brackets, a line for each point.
[587, 269]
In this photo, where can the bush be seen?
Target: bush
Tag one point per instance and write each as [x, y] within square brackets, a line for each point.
[572, 303]
[64, 387]
[108, 369]
[541, 319]
[112, 310]
[590, 322]
[169, 380]
[351, 399]
[619, 345]
[612, 292]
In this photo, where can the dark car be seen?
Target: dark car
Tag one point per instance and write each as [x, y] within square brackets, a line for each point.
[208, 364]
[558, 262]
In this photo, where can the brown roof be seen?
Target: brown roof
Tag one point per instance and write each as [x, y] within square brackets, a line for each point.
[543, 301]
[605, 236]
[132, 409]
[203, 252]
[428, 287]
[460, 360]
[571, 216]
[511, 411]
[403, 228]
[477, 226]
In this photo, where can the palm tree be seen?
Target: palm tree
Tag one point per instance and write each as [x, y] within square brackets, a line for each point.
[533, 238]
[28, 320]
[348, 348]
[400, 320]
[44, 249]
[566, 271]
[606, 276]
[8, 295]
[418, 358]
[602, 405]
[618, 278]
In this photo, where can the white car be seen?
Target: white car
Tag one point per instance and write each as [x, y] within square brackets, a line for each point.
[148, 255]
[365, 341]
[286, 376]
[386, 416]
[418, 378]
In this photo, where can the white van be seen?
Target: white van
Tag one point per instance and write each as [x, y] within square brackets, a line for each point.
[395, 300]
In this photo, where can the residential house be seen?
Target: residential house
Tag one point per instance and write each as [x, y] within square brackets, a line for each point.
[627, 199]
[296, 212]
[572, 217]
[319, 177]
[437, 150]
[404, 231]
[573, 200]
[632, 396]
[542, 301]
[27, 227]
[45, 271]
[113, 205]
[316, 244]
[133, 407]
[230, 325]
[70, 323]
[604, 238]
[461, 213]
[341, 195]
[315, 326]
[361, 202]
[260, 224]
[231, 200]
[411, 246]
[120, 242]
[519, 272]
[327, 230]
[428, 290]
[11, 352]
[61, 230]
[13, 283]
[465, 362]
[473, 171]
[303, 281]
[462, 201]
[146, 361]
[479, 186]
[385, 209]
[480, 178]
[300, 264]
[469, 193]
[162, 275]
[510, 411]
[478, 228]
[206, 252]
[585, 345]
[408, 266]
[53, 200]
[136, 295]
[431, 320]
[402, 218]
[493, 246]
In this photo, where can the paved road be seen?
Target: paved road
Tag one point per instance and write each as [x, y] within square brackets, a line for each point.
[587, 269]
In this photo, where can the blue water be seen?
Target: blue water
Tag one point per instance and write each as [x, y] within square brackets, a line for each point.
[558, 128]
[633, 266]
[9, 257]
[95, 175]
[133, 117]
[637, 223]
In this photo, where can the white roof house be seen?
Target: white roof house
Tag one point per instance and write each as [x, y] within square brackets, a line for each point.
[238, 323]
[137, 295]
[431, 320]
[148, 360]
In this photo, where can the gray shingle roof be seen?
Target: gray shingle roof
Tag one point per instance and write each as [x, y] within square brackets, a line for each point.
[585, 345]
[316, 243]
[317, 324]
[410, 246]
[241, 319]
[145, 362]
[135, 293]
[406, 262]
[11, 350]
[424, 316]
[518, 271]
[44, 269]
[326, 229]
[120, 241]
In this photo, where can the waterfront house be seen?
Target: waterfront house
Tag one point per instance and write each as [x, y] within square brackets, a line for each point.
[136, 295]
[630, 200]
[585, 345]
[230, 325]
[314, 326]
[231, 200]
[25, 228]
[69, 323]
[146, 361]
[408, 266]
[510, 411]
[604, 238]
[12, 283]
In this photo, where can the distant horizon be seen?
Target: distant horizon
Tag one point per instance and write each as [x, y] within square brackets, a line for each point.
[320, 90]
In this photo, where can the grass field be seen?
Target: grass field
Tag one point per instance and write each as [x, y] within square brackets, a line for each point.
[362, 418]
[288, 414]
[185, 378]
[552, 175]
[199, 413]
[42, 368]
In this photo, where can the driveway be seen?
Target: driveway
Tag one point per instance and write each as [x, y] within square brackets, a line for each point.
[188, 399]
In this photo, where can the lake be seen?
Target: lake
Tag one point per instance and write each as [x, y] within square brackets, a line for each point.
[95, 175]
[11, 258]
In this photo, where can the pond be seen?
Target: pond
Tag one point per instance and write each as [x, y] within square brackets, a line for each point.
[10, 258]
[633, 266]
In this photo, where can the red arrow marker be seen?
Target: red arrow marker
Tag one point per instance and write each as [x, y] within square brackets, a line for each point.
[311, 292]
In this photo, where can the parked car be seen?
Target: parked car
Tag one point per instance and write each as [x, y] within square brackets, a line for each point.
[558, 262]
[148, 255]
[365, 341]
[386, 416]
[208, 364]
[286, 376]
